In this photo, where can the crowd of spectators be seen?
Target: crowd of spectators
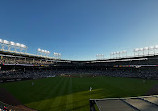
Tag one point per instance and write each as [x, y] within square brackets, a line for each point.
[146, 73]
[27, 74]
[22, 60]
[5, 107]
[141, 72]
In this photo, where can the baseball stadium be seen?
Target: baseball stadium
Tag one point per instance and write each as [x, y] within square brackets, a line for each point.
[78, 55]
[37, 82]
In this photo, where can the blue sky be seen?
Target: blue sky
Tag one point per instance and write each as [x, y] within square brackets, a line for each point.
[80, 29]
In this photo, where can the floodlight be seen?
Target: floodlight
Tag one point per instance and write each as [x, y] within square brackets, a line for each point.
[39, 50]
[17, 44]
[42, 50]
[12, 43]
[45, 51]
[22, 45]
[156, 46]
[151, 47]
[6, 42]
[141, 49]
[124, 51]
[1, 41]
[48, 52]
[137, 49]
[146, 48]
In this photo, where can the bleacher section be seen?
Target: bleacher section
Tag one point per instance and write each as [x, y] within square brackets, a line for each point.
[20, 66]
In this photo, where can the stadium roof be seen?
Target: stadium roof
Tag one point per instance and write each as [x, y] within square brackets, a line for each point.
[142, 103]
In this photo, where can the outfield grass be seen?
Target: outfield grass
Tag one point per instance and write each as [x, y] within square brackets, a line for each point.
[72, 94]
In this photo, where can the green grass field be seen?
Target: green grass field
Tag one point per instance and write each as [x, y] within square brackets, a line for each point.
[72, 94]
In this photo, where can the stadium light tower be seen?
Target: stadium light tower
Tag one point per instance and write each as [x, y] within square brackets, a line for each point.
[17, 47]
[96, 56]
[136, 52]
[141, 51]
[155, 49]
[23, 48]
[151, 49]
[2, 44]
[111, 55]
[48, 52]
[42, 52]
[39, 51]
[100, 56]
[124, 53]
[6, 43]
[12, 45]
[114, 55]
[45, 52]
[146, 49]
[57, 55]
[117, 54]
[121, 54]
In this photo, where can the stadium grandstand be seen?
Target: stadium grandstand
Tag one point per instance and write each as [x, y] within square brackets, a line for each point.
[140, 66]
[18, 66]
